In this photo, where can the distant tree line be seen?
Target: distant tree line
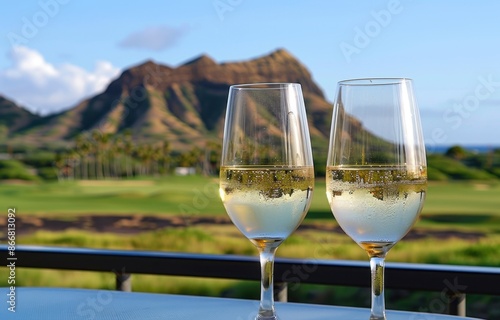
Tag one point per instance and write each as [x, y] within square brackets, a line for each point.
[98, 155]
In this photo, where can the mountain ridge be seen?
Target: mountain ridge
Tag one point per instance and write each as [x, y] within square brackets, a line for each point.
[184, 105]
[14, 117]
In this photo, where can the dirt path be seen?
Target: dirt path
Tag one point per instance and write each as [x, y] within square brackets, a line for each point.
[126, 224]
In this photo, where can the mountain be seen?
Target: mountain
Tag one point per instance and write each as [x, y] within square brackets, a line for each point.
[14, 117]
[184, 105]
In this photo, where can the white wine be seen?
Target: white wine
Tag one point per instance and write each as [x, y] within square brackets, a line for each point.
[376, 206]
[266, 203]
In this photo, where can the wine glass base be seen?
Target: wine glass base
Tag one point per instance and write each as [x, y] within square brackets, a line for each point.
[267, 318]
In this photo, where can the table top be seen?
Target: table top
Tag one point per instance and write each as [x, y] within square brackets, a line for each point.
[68, 304]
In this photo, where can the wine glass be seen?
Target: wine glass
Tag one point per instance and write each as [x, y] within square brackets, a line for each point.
[376, 175]
[266, 174]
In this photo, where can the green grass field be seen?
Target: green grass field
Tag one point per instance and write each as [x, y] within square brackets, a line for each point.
[199, 195]
[463, 207]
[172, 195]
[459, 207]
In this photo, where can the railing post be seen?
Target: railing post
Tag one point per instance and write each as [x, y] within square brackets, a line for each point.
[281, 291]
[123, 282]
[456, 304]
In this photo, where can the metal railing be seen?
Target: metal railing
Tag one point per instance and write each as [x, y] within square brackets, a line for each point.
[453, 282]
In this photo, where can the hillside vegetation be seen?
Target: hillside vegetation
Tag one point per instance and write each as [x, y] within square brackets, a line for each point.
[99, 157]
[459, 164]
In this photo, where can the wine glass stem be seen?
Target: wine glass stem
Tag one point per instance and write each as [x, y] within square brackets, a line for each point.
[266, 309]
[377, 265]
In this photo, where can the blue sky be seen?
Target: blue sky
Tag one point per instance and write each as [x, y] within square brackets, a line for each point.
[53, 53]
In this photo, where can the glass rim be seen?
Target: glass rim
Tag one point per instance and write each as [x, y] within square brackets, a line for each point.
[264, 85]
[373, 81]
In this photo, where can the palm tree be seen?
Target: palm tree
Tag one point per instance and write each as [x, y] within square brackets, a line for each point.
[96, 141]
[83, 149]
[117, 149]
[165, 156]
[60, 163]
[92, 158]
[142, 151]
[156, 154]
[106, 154]
[72, 164]
[192, 158]
[128, 149]
[213, 152]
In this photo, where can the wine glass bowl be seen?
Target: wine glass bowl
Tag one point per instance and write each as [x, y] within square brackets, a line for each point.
[376, 175]
[266, 174]
[266, 203]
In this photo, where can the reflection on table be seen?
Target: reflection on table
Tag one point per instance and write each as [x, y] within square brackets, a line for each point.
[68, 304]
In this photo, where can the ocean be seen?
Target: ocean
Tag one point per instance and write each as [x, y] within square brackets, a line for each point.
[471, 148]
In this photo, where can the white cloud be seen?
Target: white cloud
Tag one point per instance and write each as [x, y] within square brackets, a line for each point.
[45, 88]
[153, 38]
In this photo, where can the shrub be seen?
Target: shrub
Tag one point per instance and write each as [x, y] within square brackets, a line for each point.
[13, 169]
[456, 152]
[47, 173]
[434, 174]
[39, 159]
[455, 169]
